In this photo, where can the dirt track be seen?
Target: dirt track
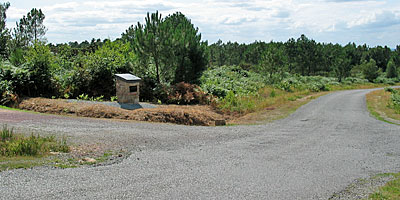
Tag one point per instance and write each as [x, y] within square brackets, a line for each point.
[316, 152]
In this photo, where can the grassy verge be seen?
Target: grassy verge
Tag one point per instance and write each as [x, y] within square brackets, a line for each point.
[19, 151]
[378, 104]
[390, 190]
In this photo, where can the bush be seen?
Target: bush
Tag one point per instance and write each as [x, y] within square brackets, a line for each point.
[7, 94]
[311, 83]
[370, 70]
[391, 71]
[39, 63]
[220, 81]
[236, 103]
[394, 99]
[185, 93]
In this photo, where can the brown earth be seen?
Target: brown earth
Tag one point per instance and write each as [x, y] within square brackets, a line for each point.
[187, 115]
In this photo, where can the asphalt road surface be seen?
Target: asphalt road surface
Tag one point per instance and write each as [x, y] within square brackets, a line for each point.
[317, 151]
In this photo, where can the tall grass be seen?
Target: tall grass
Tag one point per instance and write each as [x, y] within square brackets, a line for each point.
[12, 144]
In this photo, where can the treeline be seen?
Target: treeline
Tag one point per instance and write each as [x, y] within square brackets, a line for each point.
[165, 51]
[306, 57]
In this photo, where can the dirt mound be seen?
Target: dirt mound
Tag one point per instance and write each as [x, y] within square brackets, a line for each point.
[187, 115]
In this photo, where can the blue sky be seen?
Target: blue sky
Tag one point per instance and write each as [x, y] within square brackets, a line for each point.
[374, 22]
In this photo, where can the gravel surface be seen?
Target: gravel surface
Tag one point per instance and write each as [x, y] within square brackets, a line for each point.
[315, 153]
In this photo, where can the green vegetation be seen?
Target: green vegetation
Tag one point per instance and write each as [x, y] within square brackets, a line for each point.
[394, 99]
[390, 190]
[19, 151]
[381, 105]
[12, 144]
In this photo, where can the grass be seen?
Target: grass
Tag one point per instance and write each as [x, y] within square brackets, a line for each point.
[8, 108]
[18, 162]
[19, 151]
[12, 144]
[390, 190]
[378, 103]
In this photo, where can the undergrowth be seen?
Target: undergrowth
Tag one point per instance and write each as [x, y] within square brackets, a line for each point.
[394, 99]
[12, 144]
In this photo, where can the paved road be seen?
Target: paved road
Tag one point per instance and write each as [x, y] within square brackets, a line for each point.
[317, 151]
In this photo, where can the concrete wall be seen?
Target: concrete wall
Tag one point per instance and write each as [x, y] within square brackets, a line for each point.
[123, 93]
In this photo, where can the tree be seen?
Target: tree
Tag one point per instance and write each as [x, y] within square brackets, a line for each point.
[370, 70]
[4, 33]
[186, 53]
[391, 71]
[308, 56]
[341, 63]
[148, 42]
[381, 55]
[30, 29]
[273, 61]
[110, 59]
[39, 61]
[171, 48]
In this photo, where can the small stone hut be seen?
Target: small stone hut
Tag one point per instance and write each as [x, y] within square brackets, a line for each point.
[127, 88]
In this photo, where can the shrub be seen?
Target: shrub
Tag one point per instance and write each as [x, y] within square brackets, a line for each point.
[219, 81]
[39, 62]
[7, 94]
[391, 71]
[185, 93]
[236, 103]
[312, 83]
[394, 99]
[370, 70]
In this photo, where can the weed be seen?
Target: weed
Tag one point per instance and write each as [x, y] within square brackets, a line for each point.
[83, 97]
[6, 134]
[272, 94]
[12, 144]
[114, 98]
[390, 190]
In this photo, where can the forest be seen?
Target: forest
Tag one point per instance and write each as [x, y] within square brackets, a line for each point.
[176, 65]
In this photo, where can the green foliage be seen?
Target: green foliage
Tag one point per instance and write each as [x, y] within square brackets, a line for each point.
[112, 58]
[30, 29]
[312, 83]
[221, 80]
[236, 103]
[383, 79]
[94, 73]
[370, 70]
[273, 63]
[169, 48]
[394, 98]
[13, 81]
[39, 63]
[83, 97]
[12, 144]
[340, 63]
[7, 94]
[4, 32]
[354, 80]
[391, 71]
[114, 98]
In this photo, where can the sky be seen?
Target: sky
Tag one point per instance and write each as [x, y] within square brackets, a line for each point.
[371, 22]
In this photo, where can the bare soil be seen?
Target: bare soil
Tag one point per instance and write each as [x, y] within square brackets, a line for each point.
[186, 115]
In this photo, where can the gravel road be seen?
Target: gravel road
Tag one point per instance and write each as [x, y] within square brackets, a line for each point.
[317, 151]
